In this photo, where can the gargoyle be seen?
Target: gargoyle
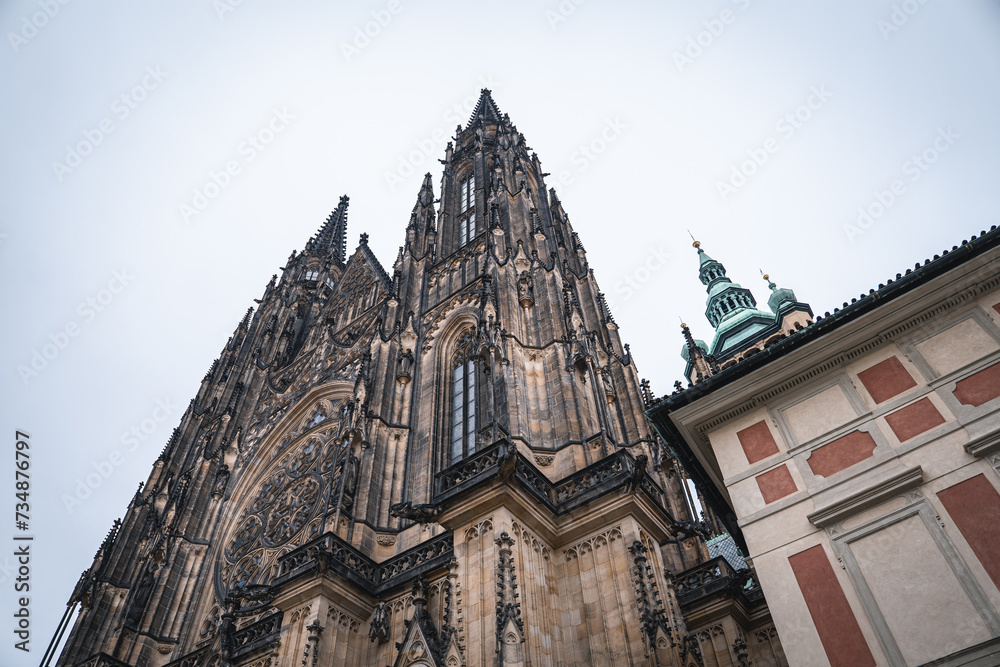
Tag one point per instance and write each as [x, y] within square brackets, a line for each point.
[689, 529]
[506, 461]
[418, 513]
[638, 472]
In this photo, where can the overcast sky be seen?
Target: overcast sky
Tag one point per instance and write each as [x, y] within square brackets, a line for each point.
[831, 144]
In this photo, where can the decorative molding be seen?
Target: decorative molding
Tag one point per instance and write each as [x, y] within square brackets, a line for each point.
[479, 529]
[978, 654]
[652, 615]
[329, 553]
[712, 578]
[342, 619]
[984, 445]
[592, 543]
[300, 613]
[621, 471]
[868, 497]
[262, 634]
[379, 628]
[531, 540]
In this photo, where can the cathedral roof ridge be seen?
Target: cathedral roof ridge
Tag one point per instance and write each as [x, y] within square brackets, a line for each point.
[377, 265]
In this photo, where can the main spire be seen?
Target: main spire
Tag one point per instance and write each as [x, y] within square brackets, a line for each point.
[486, 109]
[332, 236]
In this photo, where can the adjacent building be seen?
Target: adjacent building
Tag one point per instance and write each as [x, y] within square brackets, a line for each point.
[856, 459]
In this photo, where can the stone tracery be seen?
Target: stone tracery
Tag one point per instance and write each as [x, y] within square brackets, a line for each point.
[280, 508]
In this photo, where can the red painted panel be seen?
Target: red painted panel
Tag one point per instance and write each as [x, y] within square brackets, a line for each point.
[997, 307]
[776, 484]
[974, 506]
[841, 453]
[831, 613]
[979, 388]
[914, 419]
[757, 442]
[886, 379]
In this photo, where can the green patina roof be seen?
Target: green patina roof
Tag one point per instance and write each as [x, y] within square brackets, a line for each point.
[735, 320]
[745, 324]
[703, 256]
[718, 287]
[779, 297]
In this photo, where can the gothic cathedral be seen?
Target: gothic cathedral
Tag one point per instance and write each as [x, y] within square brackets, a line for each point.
[445, 465]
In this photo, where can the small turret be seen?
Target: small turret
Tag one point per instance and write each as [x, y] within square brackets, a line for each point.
[694, 352]
[779, 295]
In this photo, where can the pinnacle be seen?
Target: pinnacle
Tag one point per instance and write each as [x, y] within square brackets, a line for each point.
[426, 194]
[332, 236]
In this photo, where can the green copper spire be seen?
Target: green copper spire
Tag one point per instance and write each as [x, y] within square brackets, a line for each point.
[730, 307]
[725, 298]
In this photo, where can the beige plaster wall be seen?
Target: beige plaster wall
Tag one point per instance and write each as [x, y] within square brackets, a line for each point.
[819, 414]
[927, 610]
[957, 346]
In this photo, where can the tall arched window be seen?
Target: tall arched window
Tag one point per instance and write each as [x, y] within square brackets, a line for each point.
[463, 398]
[467, 210]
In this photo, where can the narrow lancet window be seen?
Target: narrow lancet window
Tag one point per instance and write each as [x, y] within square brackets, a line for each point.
[467, 210]
[463, 400]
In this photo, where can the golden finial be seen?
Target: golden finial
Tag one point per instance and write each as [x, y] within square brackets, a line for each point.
[696, 244]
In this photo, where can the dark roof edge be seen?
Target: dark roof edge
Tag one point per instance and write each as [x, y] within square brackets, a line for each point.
[712, 496]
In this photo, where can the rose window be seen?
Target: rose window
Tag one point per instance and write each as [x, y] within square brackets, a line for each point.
[284, 508]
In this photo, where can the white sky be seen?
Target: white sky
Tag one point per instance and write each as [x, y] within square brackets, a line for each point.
[676, 130]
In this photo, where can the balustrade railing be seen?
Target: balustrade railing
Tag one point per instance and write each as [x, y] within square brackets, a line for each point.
[252, 637]
[560, 496]
[331, 551]
[710, 577]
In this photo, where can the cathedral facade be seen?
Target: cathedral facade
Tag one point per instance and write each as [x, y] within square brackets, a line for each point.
[447, 464]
